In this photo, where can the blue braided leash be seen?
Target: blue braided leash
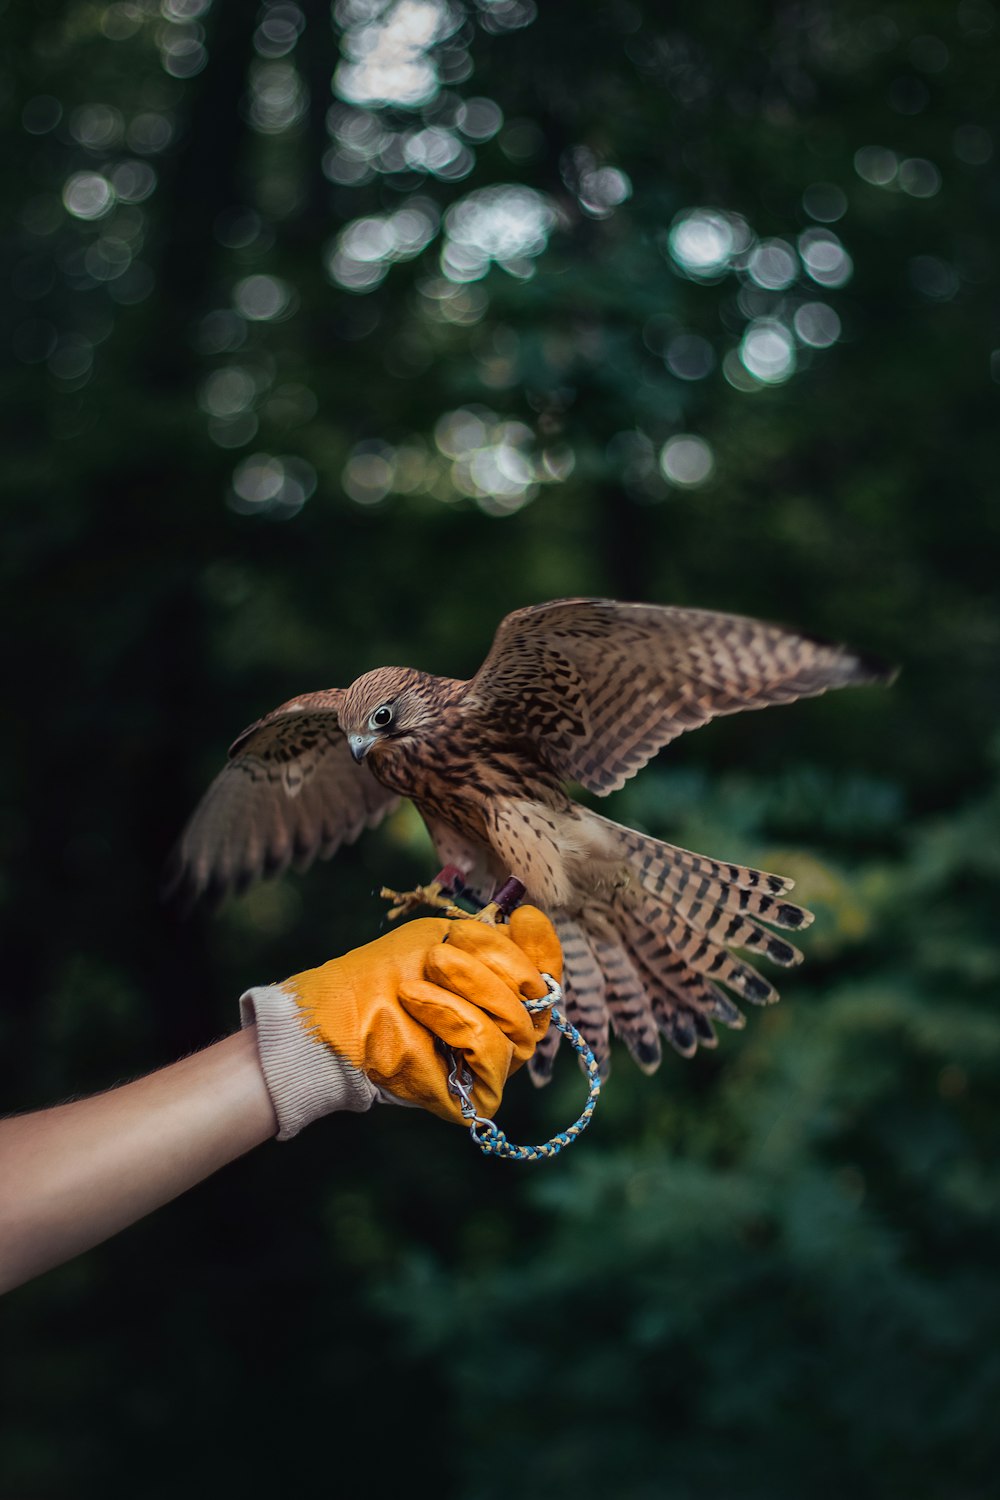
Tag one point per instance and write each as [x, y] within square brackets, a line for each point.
[487, 1135]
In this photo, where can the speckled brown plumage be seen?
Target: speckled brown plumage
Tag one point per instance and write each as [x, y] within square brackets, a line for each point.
[579, 690]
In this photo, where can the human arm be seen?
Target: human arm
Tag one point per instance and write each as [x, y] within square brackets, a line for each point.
[357, 1030]
[73, 1175]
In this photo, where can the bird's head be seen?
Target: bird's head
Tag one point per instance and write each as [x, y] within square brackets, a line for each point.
[387, 705]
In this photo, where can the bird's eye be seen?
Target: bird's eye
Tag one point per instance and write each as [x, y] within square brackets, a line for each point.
[381, 717]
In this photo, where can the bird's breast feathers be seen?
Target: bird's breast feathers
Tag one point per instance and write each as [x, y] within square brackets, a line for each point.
[460, 760]
[563, 855]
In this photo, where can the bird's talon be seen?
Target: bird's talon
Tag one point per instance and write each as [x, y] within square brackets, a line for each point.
[406, 902]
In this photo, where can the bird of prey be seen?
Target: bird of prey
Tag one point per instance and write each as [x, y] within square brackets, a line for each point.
[579, 691]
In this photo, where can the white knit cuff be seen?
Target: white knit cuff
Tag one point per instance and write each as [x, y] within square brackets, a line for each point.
[304, 1077]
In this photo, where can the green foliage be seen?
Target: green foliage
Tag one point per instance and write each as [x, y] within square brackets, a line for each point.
[768, 1271]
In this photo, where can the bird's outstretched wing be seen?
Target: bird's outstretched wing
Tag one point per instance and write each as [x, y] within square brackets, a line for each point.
[600, 686]
[290, 793]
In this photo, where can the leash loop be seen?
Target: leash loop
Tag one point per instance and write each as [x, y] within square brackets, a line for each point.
[487, 1135]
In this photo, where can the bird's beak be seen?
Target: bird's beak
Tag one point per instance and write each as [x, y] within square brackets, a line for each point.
[360, 745]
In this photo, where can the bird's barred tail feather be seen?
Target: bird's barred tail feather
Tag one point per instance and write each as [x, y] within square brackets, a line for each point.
[710, 890]
[652, 957]
[584, 986]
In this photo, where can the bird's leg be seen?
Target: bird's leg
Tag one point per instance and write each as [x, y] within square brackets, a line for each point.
[450, 882]
[446, 884]
[503, 903]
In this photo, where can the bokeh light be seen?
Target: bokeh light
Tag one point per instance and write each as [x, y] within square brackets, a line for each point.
[359, 137]
[272, 486]
[494, 461]
[876, 165]
[278, 98]
[88, 195]
[369, 473]
[362, 144]
[506, 15]
[239, 228]
[824, 257]
[478, 119]
[181, 39]
[919, 178]
[460, 433]
[386, 48]
[490, 462]
[150, 132]
[262, 298]
[767, 351]
[227, 392]
[233, 432]
[816, 324]
[360, 257]
[463, 303]
[71, 360]
[824, 202]
[686, 461]
[507, 224]
[278, 30]
[122, 20]
[773, 264]
[599, 188]
[690, 357]
[439, 152]
[221, 331]
[705, 242]
[133, 181]
[184, 10]
[96, 126]
[107, 258]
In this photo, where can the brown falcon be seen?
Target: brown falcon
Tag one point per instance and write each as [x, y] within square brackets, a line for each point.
[578, 690]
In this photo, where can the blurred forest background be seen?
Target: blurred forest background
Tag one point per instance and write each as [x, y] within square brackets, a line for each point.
[329, 339]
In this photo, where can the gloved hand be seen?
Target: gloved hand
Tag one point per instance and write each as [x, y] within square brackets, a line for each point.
[362, 1028]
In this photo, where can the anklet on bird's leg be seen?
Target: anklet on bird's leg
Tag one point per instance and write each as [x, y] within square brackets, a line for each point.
[503, 903]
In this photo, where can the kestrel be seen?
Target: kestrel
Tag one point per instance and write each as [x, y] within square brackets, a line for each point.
[578, 690]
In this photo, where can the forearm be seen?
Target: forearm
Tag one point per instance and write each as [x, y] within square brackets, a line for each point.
[74, 1175]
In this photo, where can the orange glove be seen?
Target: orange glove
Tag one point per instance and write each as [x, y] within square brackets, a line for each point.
[364, 1027]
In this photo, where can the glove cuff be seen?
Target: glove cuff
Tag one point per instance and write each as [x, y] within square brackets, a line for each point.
[304, 1077]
